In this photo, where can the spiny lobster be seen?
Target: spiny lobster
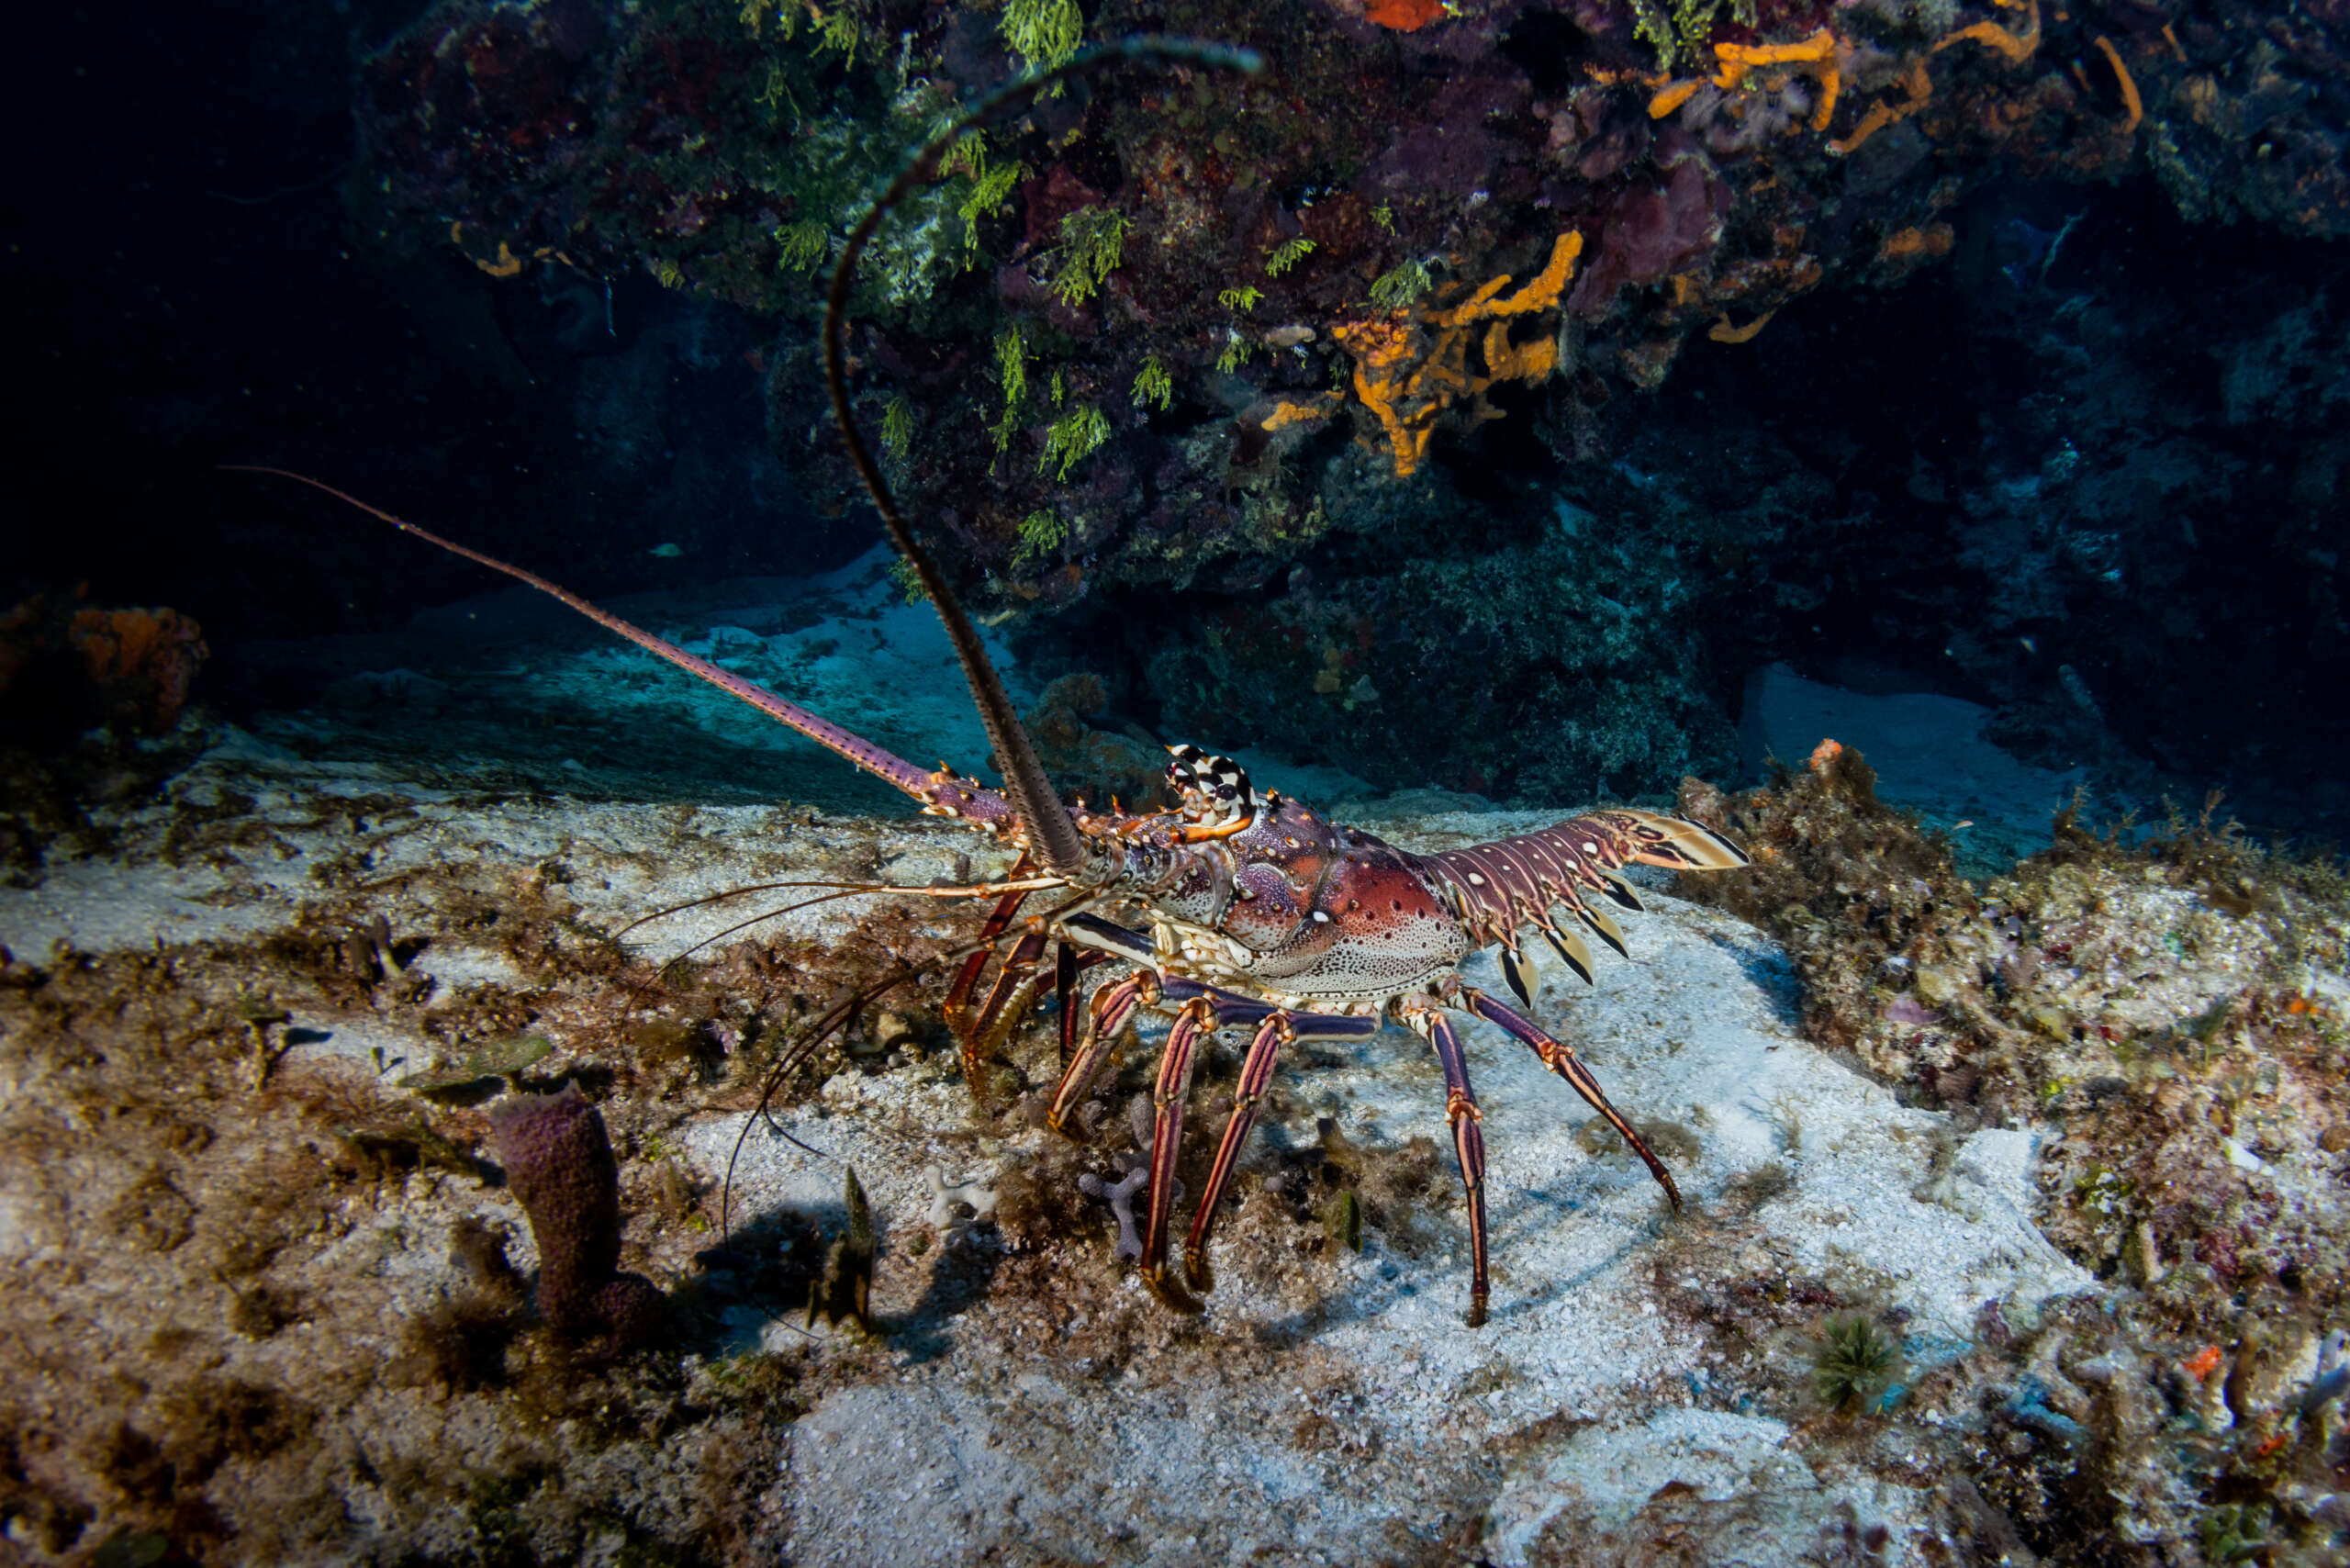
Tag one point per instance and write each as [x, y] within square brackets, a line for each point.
[1257, 911]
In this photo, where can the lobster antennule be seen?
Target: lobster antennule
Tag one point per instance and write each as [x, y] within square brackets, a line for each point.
[934, 791]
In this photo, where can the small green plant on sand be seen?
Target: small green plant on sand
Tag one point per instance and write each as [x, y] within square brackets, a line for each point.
[1853, 1362]
[2234, 1532]
[1093, 241]
[1044, 33]
[1241, 298]
[1287, 254]
[1071, 438]
[1342, 1221]
[1153, 384]
[1012, 374]
[1041, 533]
[909, 581]
[1400, 288]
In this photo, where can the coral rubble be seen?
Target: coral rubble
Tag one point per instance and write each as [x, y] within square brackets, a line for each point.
[2169, 1005]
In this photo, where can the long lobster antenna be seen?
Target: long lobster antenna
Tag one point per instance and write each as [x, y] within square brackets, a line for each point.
[882, 765]
[1052, 836]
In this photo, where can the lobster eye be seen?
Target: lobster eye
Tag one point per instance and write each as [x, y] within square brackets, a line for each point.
[1224, 791]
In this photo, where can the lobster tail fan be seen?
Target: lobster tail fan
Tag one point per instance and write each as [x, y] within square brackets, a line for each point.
[1677, 843]
[1052, 833]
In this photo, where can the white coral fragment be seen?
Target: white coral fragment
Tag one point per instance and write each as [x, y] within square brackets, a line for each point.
[947, 1199]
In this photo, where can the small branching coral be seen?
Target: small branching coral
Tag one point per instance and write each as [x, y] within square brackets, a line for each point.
[1012, 374]
[1287, 254]
[1044, 33]
[991, 184]
[898, 428]
[909, 581]
[804, 246]
[1042, 531]
[1093, 241]
[835, 29]
[1402, 287]
[1153, 384]
[1119, 1196]
[1412, 365]
[1072, 438]
[1687, 29]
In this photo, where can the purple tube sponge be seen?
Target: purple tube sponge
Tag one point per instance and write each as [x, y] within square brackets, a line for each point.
[558, 1160]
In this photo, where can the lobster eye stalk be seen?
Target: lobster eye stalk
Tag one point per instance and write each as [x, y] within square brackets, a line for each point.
[1052, 835]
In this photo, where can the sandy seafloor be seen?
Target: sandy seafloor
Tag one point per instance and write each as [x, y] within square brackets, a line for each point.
[1329, 1407]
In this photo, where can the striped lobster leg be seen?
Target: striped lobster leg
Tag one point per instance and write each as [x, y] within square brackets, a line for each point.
[1168, 1096]
[1205, 1010]
[1114, 1006]
[1468, 1141]
[957, 1005]
[1561, 1059]
[1016, 984]
[1279, 1029]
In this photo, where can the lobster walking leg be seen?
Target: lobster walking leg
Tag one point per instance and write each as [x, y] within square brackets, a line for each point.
[1016, 991]
[1112, 1008]
[1561, 1059]
[1167, 1097]
[1468, 1144]
[958, 995]
[1065, 968]
[1256, 1077]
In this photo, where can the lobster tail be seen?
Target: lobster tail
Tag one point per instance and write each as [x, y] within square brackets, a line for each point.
[1494, 888]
